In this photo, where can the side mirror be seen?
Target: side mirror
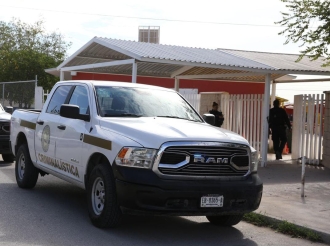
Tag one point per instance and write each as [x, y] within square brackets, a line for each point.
[72, 112]
[9, 109]
[209, 119]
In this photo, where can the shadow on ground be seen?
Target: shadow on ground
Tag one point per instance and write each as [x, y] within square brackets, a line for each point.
[55, 213]
[287, 173]
[5, 164]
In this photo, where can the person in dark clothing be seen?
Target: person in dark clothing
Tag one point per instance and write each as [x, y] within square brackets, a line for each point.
[218, 114]
[278, 120]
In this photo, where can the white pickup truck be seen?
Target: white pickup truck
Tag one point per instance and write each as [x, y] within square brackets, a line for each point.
[136, 149]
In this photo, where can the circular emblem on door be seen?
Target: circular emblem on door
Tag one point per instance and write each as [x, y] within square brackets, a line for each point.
[45, 138]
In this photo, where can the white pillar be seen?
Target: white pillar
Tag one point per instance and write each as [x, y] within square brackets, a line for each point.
[38, 97]
[272, 99]
[61, 75]
[134, 72]
[273, 92]
[265, 114]
[176, 84]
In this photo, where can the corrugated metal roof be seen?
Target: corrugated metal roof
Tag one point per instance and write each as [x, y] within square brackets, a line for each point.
[210, 71]
[180, 53]
[144, 69]
[85, 60]
[165, 60]
[280, 61]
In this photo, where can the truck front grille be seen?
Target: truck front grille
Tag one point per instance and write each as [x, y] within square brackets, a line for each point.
[207, 161]
[172, 158]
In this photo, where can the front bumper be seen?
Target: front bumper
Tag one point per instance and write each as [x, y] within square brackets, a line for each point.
[5, 145]
[143, 192]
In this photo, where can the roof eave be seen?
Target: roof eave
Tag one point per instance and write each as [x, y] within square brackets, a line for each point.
[53, 71]
[303, 72]
[70, 58]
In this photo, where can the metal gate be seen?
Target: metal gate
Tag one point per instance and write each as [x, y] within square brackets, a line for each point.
[192, 96]
[243, 115]
[194, 100]
[308, 125]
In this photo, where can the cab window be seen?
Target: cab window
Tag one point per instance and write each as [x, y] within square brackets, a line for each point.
[58, 99]
[79, 97]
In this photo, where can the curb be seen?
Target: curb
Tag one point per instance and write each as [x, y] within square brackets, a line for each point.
[325, 236]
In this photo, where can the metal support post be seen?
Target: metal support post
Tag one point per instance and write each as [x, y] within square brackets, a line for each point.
[303, 162]
[36, 81]
[272, 99]
[265, 114]
[273, 92]
[61, 75]
[134, 72]
[176, 84]
[3, 95]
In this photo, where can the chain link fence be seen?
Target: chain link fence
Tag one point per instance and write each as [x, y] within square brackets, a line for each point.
[18, 94]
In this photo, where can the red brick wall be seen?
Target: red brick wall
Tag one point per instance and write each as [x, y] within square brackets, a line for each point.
[201, 85]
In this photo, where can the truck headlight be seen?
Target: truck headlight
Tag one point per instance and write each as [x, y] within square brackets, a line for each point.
[254, 160]
[136, 157]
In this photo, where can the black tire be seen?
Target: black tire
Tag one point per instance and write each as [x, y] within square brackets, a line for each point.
[225, 220]
[29, 177]
[103, 208]
[8, 158]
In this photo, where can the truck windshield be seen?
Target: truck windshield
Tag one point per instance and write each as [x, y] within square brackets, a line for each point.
[141, 102]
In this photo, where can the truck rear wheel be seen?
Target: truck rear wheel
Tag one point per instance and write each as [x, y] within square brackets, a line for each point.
[225, 220]
[103, 208]
[8, 158]
[26, 173]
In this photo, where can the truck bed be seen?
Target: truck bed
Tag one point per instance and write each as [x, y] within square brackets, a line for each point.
[24, 120]
[30, 110]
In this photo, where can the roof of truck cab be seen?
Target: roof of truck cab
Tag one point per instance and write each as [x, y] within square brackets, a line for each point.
[115, 83]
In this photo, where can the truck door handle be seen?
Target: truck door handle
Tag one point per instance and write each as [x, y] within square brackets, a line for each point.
[40, 122]
[61, 127]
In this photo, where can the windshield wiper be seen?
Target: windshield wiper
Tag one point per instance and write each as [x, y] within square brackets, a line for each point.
[123, 115]
[175, 117]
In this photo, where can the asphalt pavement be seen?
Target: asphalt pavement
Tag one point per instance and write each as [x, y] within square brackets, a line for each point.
[55, 213]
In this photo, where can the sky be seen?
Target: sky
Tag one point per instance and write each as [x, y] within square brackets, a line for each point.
[231, 24]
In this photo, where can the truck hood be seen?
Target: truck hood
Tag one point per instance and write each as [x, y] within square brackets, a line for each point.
[4, 116]
[152, 132]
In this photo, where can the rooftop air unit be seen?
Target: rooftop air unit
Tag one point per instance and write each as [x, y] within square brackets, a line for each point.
[149, 34]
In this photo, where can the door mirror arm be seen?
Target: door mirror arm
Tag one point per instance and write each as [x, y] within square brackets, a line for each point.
[85, 117]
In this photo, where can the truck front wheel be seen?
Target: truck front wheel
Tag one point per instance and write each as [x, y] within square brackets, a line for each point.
[225, 220]
[103, 208]
[26, 173]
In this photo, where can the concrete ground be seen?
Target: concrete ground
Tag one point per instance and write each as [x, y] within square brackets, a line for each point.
[282, 194]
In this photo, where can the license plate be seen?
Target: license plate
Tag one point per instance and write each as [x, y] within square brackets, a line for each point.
[212, 201]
